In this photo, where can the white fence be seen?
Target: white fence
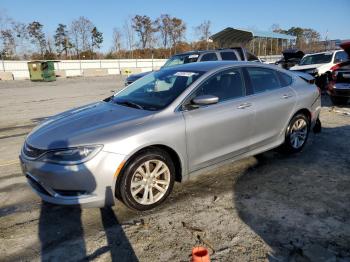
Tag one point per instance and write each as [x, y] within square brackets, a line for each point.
[271, 58]
[19, 69]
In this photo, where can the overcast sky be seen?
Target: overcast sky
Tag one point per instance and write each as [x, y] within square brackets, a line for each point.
[332, 16]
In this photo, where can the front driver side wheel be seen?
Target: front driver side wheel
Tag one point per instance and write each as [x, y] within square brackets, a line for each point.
[296, 134]
[147, 180]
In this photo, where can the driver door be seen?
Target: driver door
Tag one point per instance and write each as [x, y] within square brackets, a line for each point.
[219, 131]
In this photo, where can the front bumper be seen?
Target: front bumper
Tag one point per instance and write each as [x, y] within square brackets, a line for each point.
[90, 184]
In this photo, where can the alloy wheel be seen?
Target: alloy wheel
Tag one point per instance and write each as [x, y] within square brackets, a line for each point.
[150, 182]
[298, 133]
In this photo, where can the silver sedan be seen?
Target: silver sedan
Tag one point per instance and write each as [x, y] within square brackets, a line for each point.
[164, 128]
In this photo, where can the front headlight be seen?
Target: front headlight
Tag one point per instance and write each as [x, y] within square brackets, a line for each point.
[71, 156]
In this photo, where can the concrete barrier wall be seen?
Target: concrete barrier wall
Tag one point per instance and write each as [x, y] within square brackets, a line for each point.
[70, 68]
[6, 76]
[271, 58]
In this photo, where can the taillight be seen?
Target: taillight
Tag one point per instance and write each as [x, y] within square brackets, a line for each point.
[335, 67]
[334, 75]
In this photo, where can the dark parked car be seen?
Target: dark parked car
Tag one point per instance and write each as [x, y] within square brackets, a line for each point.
[291, 57]
[338, 87]
[233, 54]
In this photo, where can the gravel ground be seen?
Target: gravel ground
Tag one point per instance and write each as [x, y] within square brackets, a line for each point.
[266, 208]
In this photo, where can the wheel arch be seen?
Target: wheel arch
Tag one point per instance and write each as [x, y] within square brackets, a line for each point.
[304, 111]
[172, 153]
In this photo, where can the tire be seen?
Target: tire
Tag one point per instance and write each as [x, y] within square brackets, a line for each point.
[146, 192]
[339, 100]
[297, 134]
[317, 127]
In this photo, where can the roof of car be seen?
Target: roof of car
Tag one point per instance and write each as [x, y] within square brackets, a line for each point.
[203, 51]
[325, 52]
[210, 65]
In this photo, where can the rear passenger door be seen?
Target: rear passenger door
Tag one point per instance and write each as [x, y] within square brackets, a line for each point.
[274, 101]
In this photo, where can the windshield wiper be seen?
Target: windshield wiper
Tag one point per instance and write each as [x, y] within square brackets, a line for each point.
[130, 104]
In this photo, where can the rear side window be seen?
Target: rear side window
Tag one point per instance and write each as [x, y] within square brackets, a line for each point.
[340, 57]
[263, 79]
[209, 57]
[285, 79]
[228, 56]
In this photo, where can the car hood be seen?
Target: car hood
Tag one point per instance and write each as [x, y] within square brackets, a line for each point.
[304, 67]
[90, 124]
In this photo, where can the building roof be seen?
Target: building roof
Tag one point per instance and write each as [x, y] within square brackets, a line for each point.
[243, 35]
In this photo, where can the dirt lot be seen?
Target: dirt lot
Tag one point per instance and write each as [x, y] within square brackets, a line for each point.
[270, 208]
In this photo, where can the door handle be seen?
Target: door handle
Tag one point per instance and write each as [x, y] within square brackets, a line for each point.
[286, 96]
[244, 105]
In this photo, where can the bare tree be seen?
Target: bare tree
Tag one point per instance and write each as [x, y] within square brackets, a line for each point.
[117, 40]
[145, 28]
[177, 32]
[130, 35]
[164, 27]
[21, 38]
[203, 31]
[81, 32]
[8, 42]
[7, 36]
[50, 53]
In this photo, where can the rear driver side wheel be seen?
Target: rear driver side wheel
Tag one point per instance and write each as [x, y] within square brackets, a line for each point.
[296, 134]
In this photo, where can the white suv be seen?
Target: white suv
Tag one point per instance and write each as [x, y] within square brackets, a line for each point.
[320, 64]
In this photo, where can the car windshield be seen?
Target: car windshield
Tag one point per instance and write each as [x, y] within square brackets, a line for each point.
[181, 59]
[156, 90]
[316, 59]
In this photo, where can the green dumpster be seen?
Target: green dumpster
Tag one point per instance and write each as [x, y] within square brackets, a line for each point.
[42, 70]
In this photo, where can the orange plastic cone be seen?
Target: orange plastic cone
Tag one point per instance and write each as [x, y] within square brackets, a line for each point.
[200, 254]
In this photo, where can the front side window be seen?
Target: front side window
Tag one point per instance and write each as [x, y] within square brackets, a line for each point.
[209, 57]
[181, 59]
[225, 85]
[316, 59]
[156, 90]
[228, 56]
[263, 79]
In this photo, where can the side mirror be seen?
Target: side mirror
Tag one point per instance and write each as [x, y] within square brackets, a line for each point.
[205, 100]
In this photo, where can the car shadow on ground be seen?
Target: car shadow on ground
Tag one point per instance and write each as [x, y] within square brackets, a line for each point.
[326, 102]
[61, 230]
[62, 238]
[299, 205]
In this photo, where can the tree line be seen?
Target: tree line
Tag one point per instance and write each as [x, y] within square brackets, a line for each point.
[140, 36]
